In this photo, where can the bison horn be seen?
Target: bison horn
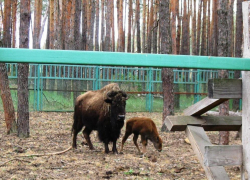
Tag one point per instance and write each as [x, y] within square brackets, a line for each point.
[124, 95]
[109, 96]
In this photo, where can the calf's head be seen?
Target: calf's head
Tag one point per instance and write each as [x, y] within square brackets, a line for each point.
[158, 143]
[117, 101]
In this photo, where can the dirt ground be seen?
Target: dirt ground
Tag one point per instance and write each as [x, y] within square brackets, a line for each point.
[51, 132]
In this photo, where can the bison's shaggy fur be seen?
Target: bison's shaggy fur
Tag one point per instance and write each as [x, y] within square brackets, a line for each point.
[146, 128]
[102, 110]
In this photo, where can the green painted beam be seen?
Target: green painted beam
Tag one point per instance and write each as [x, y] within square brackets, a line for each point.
[13, 55]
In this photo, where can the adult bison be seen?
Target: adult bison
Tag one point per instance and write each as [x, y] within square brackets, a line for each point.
[102, 110]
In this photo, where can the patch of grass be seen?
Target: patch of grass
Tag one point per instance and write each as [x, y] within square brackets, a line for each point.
[130, 172]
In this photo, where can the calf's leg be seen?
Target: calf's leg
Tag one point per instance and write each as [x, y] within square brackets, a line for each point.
[125, 137]
[86, 132]
[144, 144]
[135, 142]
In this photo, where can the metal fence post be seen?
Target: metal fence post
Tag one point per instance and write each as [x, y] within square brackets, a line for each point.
[149, 99]
[38, 88]
[96, 82]
[197, 87]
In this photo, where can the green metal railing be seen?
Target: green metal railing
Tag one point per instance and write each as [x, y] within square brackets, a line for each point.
[46, 83]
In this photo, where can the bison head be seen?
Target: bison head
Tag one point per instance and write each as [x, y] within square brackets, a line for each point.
[117, 101]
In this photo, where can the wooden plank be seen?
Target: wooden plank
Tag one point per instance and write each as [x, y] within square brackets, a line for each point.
[209, 123]
[199, 140]
[225, 88]
[203, 106]
[223, 155]
[121, 59]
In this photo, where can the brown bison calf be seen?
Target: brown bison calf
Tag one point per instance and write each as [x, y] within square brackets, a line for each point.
[146, 128]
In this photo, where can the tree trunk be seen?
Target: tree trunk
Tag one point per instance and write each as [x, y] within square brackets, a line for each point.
[143, 26]
[223, 52]
[214, 47]
[108, 26]
[199, 28]
[194, 46]
[155, 29]
[91, 29]
[23, 71]
[209, 28]
[84, 25]
[185, 30]
[231, 28]
[14, 10]
[37, 23]
[167, 73]
[113, 27]
[130, 17]
[138, 32]
[102, 26]
[173, 24]
[7, 24]
[178, 35]
[120, 25]
[97, 26]
[9, 111]
[204, 30]
[150, 27]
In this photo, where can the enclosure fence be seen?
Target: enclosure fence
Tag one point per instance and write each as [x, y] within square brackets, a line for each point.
[54, 87]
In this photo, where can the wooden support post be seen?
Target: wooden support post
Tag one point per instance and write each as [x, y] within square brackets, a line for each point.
[199, 139]
[246, 93]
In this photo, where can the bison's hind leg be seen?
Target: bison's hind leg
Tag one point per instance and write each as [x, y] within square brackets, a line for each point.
[75, 131]
[86, 132]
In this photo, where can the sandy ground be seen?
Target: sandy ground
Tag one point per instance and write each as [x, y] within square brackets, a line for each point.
[51, 132]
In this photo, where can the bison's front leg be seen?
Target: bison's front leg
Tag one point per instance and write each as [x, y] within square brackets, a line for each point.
[114, 149]
[106, 144]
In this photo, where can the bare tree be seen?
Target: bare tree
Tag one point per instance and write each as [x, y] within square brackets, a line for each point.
[97, 26]
[9, 112]
[204, 30]
[13, 15]
[194, 47]
[23, 71]
[37, 23]
[138, 32]
[167, 73]
[223, 51]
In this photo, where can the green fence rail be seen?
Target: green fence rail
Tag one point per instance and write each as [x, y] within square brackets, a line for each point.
[41, 56]
[53, 87]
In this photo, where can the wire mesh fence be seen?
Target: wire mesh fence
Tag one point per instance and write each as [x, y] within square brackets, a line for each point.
[55, 87]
